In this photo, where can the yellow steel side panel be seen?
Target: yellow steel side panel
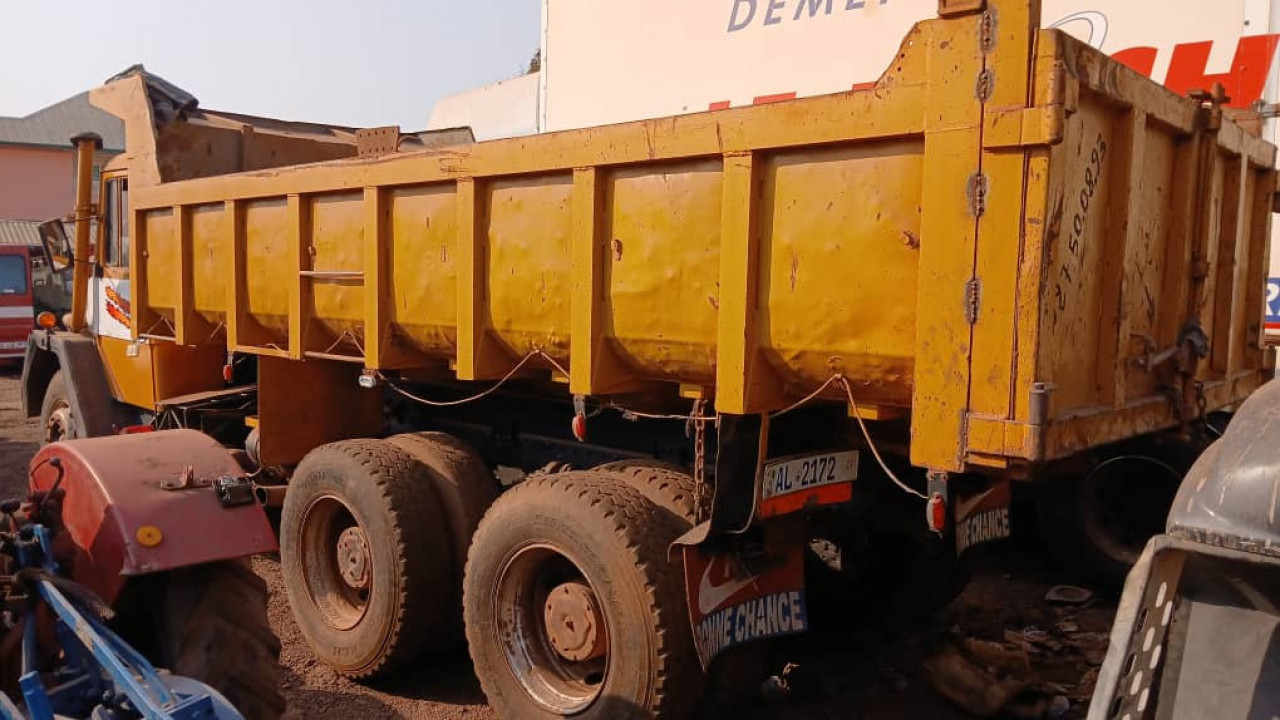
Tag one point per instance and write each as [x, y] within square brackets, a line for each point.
[1221, 308]
[1237, 308]
[304, 404]
[948, 229]
[839, 251]
[662, 262]
[267, 275]
[186, 369]
[1144, 267]
[1071, 325]
[1259, 258]
[336, 245]
[130, 377]
[163, 279]
[738, 367]
[1124, 210]
[1000, 238]
[423, 264]
[209, 274]
[528, 262]
[1030, 298]
[376, 278]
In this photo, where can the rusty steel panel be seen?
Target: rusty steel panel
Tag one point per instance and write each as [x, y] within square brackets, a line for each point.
[1003, 238]
[115, 488]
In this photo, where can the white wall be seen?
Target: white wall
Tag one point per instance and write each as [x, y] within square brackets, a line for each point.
[607, 62]
[504, 109]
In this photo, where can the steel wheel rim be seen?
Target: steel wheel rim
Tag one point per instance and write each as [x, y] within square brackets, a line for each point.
[528, 576]
[58, 426]
[341, 604]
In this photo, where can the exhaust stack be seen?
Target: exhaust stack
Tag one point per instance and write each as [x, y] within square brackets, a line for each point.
[87, 144]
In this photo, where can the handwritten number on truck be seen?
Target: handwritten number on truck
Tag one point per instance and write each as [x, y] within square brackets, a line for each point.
[1075, 241]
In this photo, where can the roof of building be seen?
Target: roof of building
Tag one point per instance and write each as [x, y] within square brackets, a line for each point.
[27, 232]
[19, 232]
[56, 124]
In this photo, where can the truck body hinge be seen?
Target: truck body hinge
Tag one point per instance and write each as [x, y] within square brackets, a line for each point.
[988, 31]
[985, 86]
[972, 300]
[976, 193]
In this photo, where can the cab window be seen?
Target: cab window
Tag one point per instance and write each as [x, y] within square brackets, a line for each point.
[116, 222]
[13, 275]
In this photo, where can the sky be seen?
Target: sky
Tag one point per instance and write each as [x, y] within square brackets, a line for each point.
[364, 63]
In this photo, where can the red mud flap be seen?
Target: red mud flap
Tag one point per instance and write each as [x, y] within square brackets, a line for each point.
[983, 516]
[733, 600]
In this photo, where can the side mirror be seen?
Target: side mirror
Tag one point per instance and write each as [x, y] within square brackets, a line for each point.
[57, 246]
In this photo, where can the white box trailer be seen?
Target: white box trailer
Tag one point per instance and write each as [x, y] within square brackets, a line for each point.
[607, 62]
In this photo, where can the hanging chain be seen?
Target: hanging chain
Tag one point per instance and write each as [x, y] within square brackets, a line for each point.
[700, 457]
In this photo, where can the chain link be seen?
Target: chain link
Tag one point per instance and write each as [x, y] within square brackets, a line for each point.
[700, 458]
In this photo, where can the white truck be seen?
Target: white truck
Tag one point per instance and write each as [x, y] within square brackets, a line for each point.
[610, 62]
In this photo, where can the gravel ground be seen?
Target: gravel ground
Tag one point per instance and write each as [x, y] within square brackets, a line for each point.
[848, 678]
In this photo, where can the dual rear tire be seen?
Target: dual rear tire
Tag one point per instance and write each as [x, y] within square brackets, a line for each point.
[571, 604]
[370, 540]
[573, 607]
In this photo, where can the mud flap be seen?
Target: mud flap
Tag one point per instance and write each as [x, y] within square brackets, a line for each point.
[982, 515]
[93, 405]
[736, 599]
[1197, 635]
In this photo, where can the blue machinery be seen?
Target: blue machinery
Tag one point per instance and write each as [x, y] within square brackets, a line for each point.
[99, 676]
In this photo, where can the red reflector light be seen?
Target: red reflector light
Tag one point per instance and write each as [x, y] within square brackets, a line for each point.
[580, 427]
[936, 513]
[226, 373]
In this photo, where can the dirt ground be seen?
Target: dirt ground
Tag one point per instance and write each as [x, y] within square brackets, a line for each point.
[1055, 650]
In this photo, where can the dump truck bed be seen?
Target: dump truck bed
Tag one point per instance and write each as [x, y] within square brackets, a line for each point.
[1011, 238]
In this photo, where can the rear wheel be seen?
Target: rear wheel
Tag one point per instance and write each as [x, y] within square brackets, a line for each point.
[1096, 522]
[667, 486]
[55, 412]
[361, 534]
[465, 485]
[572, 607]
[213, 628]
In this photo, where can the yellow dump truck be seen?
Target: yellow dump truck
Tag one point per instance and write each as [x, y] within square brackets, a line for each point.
[865, 318]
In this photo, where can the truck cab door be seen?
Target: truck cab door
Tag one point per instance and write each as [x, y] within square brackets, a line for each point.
[110, 314]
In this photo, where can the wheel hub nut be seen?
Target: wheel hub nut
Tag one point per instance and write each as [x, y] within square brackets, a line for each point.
[353, 558]
[575, 626]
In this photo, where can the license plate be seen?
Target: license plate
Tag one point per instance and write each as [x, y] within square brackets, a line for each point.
[13, 345]
[798, 474]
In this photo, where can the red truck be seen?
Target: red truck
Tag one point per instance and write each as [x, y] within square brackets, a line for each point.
[17, 304]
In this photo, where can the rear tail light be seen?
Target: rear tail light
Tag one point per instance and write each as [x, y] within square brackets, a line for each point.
[47, 320]
[936, 513]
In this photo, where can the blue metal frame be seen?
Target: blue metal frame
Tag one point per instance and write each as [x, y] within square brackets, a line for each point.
[99, 668]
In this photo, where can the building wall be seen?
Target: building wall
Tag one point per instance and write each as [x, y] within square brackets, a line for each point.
[36, 183]
[501, 110]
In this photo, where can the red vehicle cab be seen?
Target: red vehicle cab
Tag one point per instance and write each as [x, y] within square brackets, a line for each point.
[17, 311]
